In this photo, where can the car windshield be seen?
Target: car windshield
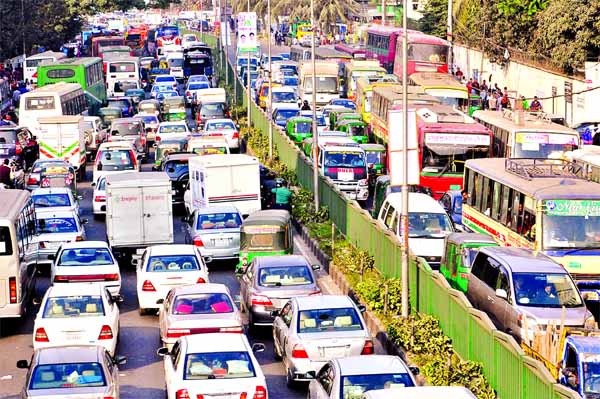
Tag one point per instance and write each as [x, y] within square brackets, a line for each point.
[67, 376]
[118, 103]
[428, 225]
[591, 377]
[175, 167]
[148, 119]
[73, 306]
[552, 290]
[176, 62]
[544, 145]
[285, 114]
[8, 136]
[218, 365]
[344, 159]
[86, 257]
[56, 225]
[284, 276]
[47, 200]
[319, 320]
[220, 125]
[173, 263]
[173, 129]
[283, 97]
[205, 303]
[353, 386]
[223, 220]
[375, 157]
[125, 128]
[209, 150]
[199, 86]
[303, 127]
[115, 160]
[325, 84]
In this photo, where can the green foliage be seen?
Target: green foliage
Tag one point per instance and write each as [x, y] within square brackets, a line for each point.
[304, 208]
[510, 8]
[435, 18]
[419, 335]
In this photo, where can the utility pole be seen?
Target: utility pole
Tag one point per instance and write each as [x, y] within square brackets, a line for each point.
[404, 214]
[248, 85]
[383, 13]
[314, 108]
[270, 106]
[449, 38]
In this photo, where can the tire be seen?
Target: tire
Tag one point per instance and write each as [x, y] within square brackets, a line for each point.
[289, 379]
[142, 311]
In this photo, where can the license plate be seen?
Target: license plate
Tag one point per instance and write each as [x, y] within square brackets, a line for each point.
[52, 245]
[73, 337]
[334, 352]
[3, 151]
[221, 242]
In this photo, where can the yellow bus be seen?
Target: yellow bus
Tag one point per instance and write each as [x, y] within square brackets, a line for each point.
[364, 93]
[442, 85]
[356, 69]
[546, 205]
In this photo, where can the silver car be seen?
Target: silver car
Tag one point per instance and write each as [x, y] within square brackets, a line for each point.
[311, 330]
[215, 231]
[270, 281]
[82, 372]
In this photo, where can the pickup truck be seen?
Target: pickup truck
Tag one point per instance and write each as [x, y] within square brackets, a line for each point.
[95, 134]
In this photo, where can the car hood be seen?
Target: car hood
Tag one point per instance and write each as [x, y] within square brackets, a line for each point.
[546, 315]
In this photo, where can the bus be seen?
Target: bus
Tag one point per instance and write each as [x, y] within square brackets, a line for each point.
[31, 63]
[135, 37]
[522, 134]
[87, 71]
[329, 54]
[546, 205]
[356, 69]
[5, 96]
[356, 51]
[442, 85]
[299, 53]
[101, 41]
[121, 69]
[426, 53]
[364, 92]
[18, 248]
[50, 100]
[589, 159]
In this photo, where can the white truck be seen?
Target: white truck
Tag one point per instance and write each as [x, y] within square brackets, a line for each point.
[63, 137]
[139, 211]
[327, 82]
[228, 179]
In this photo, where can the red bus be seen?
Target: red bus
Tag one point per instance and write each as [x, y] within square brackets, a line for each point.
[356, 51]
[102, 41]
[426, 53]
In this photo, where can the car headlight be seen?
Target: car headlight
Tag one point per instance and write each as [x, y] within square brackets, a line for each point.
[363, 182]
[590, 322]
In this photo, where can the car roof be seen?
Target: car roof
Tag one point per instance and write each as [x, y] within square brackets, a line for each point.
[287, 107]
[220, 120]
[268, 216]
[281, 260]
[85, 244]
[116, 145]
[217, 209]
[417, 202]
[51, 190]
[172, 123]
[164, 76]
[201, 289]
[74, 289]
[588, 345]
[53, 212]
[323, 302]
[216, 342]
[172, 249]
[70, 354]
[376, 364]
[180, 156]
[466, 238]
[523, 260]
[421, 393]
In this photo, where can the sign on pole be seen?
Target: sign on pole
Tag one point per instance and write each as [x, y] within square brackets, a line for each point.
[247, 40]
[395, 148]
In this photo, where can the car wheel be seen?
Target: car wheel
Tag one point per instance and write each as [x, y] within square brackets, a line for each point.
[143, 311]
[289, 379]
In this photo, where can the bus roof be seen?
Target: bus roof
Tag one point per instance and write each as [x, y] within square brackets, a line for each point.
[17, 199]
[436, 80]
[321, 68]
[540, 188]
[414, 36]
[59, 88]
[330, 53]
[529, 122]
[47, 54]
[83, 61]
[394, 92]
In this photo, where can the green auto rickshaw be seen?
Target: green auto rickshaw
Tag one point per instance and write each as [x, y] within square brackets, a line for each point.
[475, 103]
[109, 114]
[460, 252]
[174, 109]
[334, 115]
[376, 161]
[167, 146]
[264, 233]
[299, 128]
[138, 95]
[357, 130]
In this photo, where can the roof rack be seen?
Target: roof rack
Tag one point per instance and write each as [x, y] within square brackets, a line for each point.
[529, 168]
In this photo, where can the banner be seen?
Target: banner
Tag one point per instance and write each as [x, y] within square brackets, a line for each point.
[246, 40]
[395, 148]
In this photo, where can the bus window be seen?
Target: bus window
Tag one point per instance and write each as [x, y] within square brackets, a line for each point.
[472, 187]
[5, 241]
[505, 205]
[496, 201]
[478, 192]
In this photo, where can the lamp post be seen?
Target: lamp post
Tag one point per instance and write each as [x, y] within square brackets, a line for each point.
[404, 213]
[270, 106]
[314, 108]
[248, 118]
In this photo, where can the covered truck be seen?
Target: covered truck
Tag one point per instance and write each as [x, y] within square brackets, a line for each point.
[63, 137]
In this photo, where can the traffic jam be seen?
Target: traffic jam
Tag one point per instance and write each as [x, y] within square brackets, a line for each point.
[145, 252]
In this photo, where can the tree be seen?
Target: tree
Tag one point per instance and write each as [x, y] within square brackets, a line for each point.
[435, 18]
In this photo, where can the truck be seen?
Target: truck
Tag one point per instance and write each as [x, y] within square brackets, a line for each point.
[227, 179]
[63, 137]
[346, 165]
[327, 82]
[139, 212]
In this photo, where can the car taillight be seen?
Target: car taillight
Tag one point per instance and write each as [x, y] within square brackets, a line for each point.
[200, 281]
[100, 198]
[42, 245]
[198, 242]
[182, 394]
[260, 392]
[108, 397]
[65, 278]
[231, 330]
[178, 332]
[368, 349]
[12, 289]
[105, 332]
[79, 238]
[41, 336]
[261, 300]
[187, 93]
[236, 135]
[147, 286]
[34, 178]
[157, 138]
[298, 352]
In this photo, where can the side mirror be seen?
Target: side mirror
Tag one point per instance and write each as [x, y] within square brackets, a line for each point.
[22, 364]
[155, 145]
[258, 347]
[120, 359]
[52, 256]
[80, 197]
[274, 313]
[164, 351]
[415, 370]
[36, 301]
[135, 261]
[93, 184]
[315, 267]
[117, 298]
[500, 293]
[362, 308]
[84, 221]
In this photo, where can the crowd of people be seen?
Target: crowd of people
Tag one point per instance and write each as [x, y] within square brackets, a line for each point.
[18, 86]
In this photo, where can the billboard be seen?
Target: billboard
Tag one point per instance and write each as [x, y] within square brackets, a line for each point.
[396, 149]
[246, 40]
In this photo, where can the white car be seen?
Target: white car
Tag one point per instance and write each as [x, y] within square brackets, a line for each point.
[163, 267]
[172, 130]
[453, 392]
[224, 127]
[99, 197]
[188, 38]
[55, 198]
[321, 123]
[198, 78]
[309, 331]
[214, 366]
[87, 261]
[77, 314]
[115, 157]
[354, 375]
[166, 80]
[161, 88]
[282, 96]
[198, 309]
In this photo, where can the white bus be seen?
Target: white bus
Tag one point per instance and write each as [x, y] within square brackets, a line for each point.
[52, 100]
[31, 63]
[18, 248]
[121, 69]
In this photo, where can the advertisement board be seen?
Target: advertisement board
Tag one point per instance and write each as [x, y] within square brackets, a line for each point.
[246, 40]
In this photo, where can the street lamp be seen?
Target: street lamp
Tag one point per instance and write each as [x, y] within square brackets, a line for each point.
[314, 109]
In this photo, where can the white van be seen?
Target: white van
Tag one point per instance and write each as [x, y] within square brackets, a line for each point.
[428, 224]
[420, 393]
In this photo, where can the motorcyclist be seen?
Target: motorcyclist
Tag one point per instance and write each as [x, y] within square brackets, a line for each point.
[283, 196]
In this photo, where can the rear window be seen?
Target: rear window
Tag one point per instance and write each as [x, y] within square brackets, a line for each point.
[115, 160]
[48, 200]
[85, 257]
[175, 167]
[225, 220]
[209, 303]
[125, 129]
[199, 86]
[57, 225]
[73, 306]
[39, 103]
[67, 376]
[118, 103]
[218, 365]
[212, 109]
[219, 125]
[172, 129]
[5, 241]
[318, 320]
[60, 73]
[165, 79]
[8, 136]
[148, 118]
[121, 67]
[173, 263]
[284, 276]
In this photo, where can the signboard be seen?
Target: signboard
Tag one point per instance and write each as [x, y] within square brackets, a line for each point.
[457, 139]
[246, 40]
[395, 148]
[568, 92]
[572, 208]
[547, 138]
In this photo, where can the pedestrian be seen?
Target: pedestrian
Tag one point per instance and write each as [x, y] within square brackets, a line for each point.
[498, 102]
[12, 114]
[459, 74]
[470, 85]
[524, 103]
[16, 97]
[283, 196]
[475, 87]
[484, 95]
[535, 105]
[5, 174]
[505, 101]
[305, 106]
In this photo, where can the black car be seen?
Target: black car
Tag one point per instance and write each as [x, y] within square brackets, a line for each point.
[176, 166]
[18, 144]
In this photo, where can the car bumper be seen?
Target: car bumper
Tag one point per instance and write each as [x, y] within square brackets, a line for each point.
[233, 143]
[261, 316]
[150, 300]
[301, 367]
[99, 208]
[220, 254]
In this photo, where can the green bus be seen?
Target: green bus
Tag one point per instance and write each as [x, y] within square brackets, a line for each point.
[86, 71]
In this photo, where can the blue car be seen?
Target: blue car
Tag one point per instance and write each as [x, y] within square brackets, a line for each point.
[451, 201]
[343, 102]
[281, 115]
[125, 104]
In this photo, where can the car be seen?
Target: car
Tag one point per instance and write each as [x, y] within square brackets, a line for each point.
[95, 134]
[172, 130]
[453, 392]
[342, 102]
[451, 201]
[99, 198]
[160, 96]
[53, 229]
[130, 130]
[166, 80]
[115, 157]
[224, 127]
[86, 261]
[55, 198]
[270, 281]
[125, 104]
[50, 172]
[82, 370]
[208, 145]
[215, 231]
[207, 110]
[198, 309]
[285, 56]
[283, 113]
[215, 365]
[281, 96]
[159, 88]
[188, 38]
[163, 267]
[18, 144]
[192, 87]
[311, 330]
[198, 78]
[77, 314]
[350, 377]
[151, 122]
[176, 166]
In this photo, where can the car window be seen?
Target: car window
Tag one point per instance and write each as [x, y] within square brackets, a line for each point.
[57, 225]
[8, 136]
[67, 376]
[490, 273]
[222, 220]
[553, 290]
[212, 109]
[286, 313]
[85, 257]
[173, 129]
[353, 386]
[198, 86]
[172, 263]
[112, 160]
[101, 186]
[219, 125]
[49, 200]
[206, 303]
[284, 276]
[221, 365]
[109, 363]
[175, 353]
[73, 306]
[125, 129]
[318, 320]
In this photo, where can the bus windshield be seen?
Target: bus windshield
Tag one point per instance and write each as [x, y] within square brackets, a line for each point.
[447, 152]
[347, 159]
[571, 224]
[434, 53]
[543, 145]
[428, 225]
[325, 84]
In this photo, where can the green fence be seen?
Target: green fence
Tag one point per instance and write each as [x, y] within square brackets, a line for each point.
[512, 374]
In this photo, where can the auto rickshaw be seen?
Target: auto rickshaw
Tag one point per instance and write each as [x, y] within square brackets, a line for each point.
[357, 130]
[299, 128]
[149, 107]
[334, 115]
[475, 103]
[263, 233]
[174, 109]
[461, 249]
[165, 147]
[109, 114]
[58, 174]
[208, 145]
[138, 95]
[376, 161]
